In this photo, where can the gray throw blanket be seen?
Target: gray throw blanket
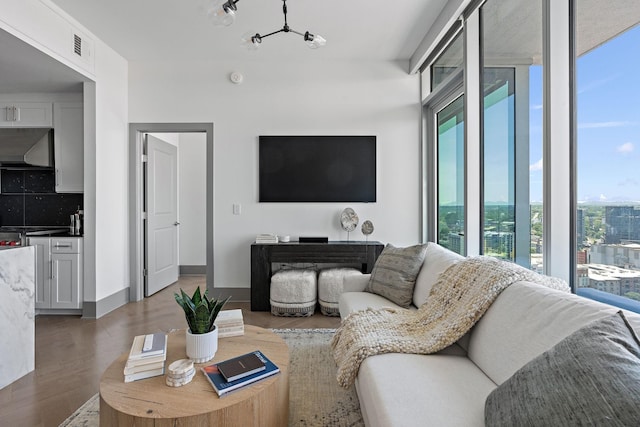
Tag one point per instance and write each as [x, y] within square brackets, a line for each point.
[461, 295]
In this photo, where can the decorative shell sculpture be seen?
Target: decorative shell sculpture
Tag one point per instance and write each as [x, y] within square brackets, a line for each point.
[348, 219]
[367, 227]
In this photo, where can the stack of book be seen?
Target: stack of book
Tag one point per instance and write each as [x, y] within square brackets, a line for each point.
[266, 238]
[146, 357]
[238, 372]
[230, 323]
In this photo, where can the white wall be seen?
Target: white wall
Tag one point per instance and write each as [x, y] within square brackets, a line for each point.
[112, 173]
[377, 98]
[192, 167]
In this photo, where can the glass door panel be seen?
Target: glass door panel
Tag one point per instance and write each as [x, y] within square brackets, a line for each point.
[499, 163]
[451, 165]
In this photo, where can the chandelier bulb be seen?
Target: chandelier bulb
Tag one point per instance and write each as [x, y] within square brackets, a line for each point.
[222, 12]
[314, 41]
[251, 41]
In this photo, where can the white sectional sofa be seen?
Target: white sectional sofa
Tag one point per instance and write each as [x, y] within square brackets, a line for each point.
[450, 388]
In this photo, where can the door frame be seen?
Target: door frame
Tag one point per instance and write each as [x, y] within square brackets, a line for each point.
[136, 130]
[450, 89]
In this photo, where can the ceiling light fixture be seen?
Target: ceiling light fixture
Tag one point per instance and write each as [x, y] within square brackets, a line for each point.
[223, 12]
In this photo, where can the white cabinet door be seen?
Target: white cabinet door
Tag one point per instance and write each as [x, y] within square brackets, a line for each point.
[42, 248]
[26, 114]
[59, 272]
[69, 146]
[65, 283]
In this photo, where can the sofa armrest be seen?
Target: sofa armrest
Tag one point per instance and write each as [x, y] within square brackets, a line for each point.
[355, 283]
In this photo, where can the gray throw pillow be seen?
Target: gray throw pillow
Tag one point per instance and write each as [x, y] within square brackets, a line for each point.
[394, 274]
[592, 377]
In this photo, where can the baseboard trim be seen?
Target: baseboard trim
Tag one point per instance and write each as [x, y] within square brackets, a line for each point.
[236, 294]
[97, 309]
[193, 269]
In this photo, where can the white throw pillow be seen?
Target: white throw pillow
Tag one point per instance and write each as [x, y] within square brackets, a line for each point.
[436, 260]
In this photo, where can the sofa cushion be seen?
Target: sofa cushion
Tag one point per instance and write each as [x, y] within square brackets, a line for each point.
[592, 377]
[422, 390]
[437, 259]
[525, 321]
[395, 271]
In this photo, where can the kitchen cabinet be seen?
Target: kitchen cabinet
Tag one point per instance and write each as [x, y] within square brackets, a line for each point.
[58, 272]
[26, 114]
[68, 137]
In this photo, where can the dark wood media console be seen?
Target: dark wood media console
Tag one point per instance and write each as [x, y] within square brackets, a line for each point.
[339, 252]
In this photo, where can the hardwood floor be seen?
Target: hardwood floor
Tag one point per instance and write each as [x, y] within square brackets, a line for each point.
[72, 353]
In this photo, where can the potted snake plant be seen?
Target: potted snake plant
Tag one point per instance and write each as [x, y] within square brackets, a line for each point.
[202, 334]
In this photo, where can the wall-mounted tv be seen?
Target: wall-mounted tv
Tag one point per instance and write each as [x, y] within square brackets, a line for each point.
[317, 168]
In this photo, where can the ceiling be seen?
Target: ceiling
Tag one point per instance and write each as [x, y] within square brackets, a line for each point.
[180, 30]
[355, 30]
[25, 69]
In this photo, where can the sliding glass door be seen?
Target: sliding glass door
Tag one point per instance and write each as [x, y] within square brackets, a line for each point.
[449, 144]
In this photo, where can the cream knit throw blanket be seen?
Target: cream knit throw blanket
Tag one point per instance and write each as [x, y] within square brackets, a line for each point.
[457, 300]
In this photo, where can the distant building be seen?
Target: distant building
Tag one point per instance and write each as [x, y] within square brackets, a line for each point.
[611, 279]
[582, 257]
[625, 255]
[580, 236]
[622, 223]
[499, 244]
[582, 276]
[456, 243]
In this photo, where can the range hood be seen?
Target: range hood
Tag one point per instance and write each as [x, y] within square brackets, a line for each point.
[26, 147]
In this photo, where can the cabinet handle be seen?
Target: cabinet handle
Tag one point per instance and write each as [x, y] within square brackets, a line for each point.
[16, 114]
[50, 269]
[63, 246]
[56, 176]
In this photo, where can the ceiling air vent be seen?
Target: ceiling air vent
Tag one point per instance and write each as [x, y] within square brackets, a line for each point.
[77, 45]
[81, 45]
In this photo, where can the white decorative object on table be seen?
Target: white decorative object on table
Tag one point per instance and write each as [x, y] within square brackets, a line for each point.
[349, 220]
[367, 228]
[180, 372]
[202, 347]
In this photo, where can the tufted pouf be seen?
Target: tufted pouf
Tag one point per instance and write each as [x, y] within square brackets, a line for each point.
[293, 293]
[330, 286]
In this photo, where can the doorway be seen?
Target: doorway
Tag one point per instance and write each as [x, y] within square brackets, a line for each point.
[138, 211]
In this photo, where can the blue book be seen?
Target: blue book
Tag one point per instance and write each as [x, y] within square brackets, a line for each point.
[222, 386]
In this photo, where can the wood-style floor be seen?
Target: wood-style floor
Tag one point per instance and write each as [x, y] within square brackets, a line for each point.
[72, 353]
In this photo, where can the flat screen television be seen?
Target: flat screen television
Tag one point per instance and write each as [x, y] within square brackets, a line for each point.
[317, 168]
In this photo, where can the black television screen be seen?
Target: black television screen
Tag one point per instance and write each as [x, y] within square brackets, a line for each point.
[317, 168]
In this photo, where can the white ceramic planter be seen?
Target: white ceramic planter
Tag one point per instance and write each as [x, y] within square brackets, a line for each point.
[202, 347]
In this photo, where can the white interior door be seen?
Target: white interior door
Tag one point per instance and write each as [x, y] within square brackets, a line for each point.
[162, 215]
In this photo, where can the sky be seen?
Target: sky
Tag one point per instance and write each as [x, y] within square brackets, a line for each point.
[608, 111]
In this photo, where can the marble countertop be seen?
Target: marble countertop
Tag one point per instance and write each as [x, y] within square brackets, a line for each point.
[17, 313]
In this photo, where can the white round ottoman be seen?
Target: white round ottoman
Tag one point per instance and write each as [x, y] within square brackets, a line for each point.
[330, 286]
[293, 293]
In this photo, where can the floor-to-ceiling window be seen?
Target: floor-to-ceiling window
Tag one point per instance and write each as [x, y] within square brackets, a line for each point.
[521, 206]
[512, 130]
[608, 150]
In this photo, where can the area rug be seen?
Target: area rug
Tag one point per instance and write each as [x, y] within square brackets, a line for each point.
[315, 398]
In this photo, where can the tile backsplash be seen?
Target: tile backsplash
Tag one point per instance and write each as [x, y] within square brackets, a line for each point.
[28, 198]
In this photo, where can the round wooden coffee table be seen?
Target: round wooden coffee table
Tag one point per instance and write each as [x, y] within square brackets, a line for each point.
[145, 402]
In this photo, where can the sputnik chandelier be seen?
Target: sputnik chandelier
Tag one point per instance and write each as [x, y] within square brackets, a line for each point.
[223, 12]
